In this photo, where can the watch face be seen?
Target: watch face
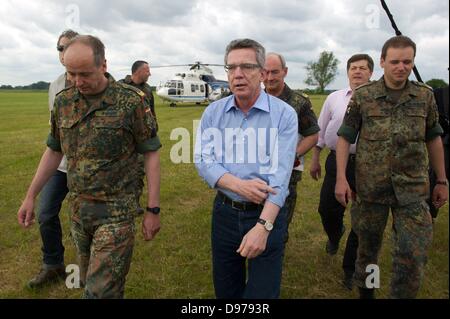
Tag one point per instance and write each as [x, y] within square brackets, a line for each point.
[269, 226]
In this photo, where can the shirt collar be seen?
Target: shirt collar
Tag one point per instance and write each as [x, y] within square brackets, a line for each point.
[262, 103]
[348, 91]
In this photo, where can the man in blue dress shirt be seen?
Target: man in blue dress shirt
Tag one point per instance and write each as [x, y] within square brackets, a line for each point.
[245, 149]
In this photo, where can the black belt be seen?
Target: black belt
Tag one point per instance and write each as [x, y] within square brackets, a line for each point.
[351, 157]
[245, 206]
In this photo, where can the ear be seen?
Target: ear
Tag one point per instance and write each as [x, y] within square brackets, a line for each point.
[285, 71]
[382, 63]
[104, 66]
[263, 75]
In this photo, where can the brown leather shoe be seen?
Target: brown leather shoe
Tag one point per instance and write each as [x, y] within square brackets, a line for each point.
[47, 275]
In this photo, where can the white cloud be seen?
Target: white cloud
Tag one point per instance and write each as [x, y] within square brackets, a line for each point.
[179, 32]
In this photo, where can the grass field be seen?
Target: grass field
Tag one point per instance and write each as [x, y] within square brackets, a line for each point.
[177, 263]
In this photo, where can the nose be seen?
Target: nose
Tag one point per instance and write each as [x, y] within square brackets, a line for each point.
[77, 81]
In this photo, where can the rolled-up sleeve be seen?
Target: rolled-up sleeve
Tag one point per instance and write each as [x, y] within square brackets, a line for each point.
[352, 121]
[282, 164]
[53, 139]
[144, 128]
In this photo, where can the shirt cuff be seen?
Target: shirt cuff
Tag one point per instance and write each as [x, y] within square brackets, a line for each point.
[347, 132]
[151, 145]
[434, 132]
[277, 199]
[53, 143]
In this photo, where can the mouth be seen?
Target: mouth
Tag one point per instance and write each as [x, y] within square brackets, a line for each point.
[240, 85]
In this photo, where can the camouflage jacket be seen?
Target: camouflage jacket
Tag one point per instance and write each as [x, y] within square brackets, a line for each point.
[391, 153]
[307, 120]
[102, 142]
[144, 87]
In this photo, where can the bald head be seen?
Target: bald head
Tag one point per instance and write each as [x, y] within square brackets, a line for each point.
[94, 43]
[86, 65]
[276, 72]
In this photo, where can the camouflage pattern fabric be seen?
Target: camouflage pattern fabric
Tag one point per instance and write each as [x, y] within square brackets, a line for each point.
[105, 253]
[291, 200]
[307, 125]
[307, 120]
[412, 237]
[392, 173]
[101, 137]
[391, 153]
[102, 142]
[144, 87]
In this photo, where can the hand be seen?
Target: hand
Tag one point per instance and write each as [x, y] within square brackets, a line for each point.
[151, 225]
[254, 242]
[343, 192]
[255, 190]
[25, 214]
[440, 195]
[315, 170]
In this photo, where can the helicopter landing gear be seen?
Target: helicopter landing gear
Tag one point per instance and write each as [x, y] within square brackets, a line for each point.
[172, 104]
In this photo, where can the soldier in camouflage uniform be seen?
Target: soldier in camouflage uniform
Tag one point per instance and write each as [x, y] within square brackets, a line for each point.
[308, 129]
[140, 72]
[397, 122]
[101, 126]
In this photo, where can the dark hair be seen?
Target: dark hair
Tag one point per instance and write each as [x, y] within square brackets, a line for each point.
[98, 49]
[359, 57]
[136, 65]
[399, 41]
[69, 34]
[247, 44]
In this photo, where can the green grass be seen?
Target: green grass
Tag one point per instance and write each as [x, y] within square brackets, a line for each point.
[177, 264]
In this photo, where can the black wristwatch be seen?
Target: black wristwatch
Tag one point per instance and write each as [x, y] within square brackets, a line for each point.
[153, 210]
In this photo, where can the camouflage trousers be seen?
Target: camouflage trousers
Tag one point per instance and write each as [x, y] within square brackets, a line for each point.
[291, 200]
[412, 236]
[104, 253]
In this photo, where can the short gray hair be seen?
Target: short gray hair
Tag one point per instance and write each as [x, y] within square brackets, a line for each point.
[282, 60]
[97, 46]
[247, 44]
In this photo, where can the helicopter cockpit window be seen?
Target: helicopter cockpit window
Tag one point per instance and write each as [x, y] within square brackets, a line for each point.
[171, 84]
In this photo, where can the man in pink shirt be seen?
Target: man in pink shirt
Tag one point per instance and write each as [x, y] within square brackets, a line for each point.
[359, 71]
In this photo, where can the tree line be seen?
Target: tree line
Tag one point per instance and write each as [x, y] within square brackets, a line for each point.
[41, 85]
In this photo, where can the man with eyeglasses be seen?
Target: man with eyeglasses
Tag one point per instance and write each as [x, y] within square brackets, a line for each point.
[308, 129]
[53, 195]
[245, 149]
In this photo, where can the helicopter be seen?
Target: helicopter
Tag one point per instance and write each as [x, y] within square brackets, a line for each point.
[198, 85]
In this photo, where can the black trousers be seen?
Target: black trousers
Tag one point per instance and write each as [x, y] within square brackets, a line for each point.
[332, 212]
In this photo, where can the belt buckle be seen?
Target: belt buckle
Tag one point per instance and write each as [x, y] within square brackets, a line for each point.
[232, 205]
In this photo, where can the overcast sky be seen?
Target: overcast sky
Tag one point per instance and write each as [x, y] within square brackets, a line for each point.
[183, 31]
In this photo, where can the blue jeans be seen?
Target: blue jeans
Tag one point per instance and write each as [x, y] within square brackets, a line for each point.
[51, 198]
[229, 268]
